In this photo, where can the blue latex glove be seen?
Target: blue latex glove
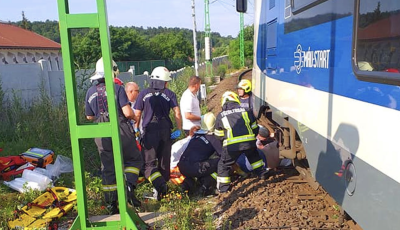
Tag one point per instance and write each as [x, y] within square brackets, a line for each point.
[137, 134]
[175, 134]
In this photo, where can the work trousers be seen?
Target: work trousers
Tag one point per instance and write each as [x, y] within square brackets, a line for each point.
[157, 155]
[132, 159]
[205, 171]
[229, 158]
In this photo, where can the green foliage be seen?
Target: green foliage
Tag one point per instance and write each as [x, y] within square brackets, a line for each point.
[221, 71]
[174, 45]
[234, 48]
[220, 51]
[178, 208]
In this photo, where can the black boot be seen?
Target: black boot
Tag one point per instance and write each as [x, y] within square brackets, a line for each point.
[132, 200]
[113, 208]
[265, 174]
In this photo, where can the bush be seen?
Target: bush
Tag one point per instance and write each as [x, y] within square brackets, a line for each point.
[221, 71]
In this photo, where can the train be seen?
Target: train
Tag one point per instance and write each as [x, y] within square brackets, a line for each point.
[326, 74]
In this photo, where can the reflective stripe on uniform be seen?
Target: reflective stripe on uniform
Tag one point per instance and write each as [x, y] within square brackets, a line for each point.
[246, 119]
[214, 175]
[133, 170]
[239, 139]
[227, 126]
[257, 164]
[178, 180]
[109, 188]
[225, 180]
[154, 176]
[254, 125]
[219, 133]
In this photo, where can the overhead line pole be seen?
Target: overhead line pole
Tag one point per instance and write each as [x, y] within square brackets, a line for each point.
[196, 62]
[241, 44]
[207, 39]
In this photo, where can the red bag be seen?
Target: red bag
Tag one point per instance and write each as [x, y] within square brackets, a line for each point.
[13, 165]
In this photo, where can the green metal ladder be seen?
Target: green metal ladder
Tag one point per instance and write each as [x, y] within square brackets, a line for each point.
[128, 218]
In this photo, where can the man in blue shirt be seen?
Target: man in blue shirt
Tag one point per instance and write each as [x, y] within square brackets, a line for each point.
[153, 106]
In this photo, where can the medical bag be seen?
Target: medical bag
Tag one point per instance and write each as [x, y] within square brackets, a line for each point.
[11, 166]
[38, 157]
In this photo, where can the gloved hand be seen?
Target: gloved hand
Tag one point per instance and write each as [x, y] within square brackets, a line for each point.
[175, 134]
[137, 134]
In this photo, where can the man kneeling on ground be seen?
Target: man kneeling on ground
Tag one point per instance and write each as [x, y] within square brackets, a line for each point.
[196, 160]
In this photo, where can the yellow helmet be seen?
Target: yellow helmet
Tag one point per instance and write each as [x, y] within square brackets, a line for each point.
[229, 96]
[245, 85]
[208, 122]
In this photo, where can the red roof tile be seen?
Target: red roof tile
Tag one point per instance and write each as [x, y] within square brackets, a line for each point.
[16, 37]
[385, 28]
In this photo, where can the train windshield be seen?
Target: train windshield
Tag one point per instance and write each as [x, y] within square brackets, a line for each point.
[377, 41]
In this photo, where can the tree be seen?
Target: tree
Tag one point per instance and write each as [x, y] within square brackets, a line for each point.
[25, 22]
[171, 46]
[234, 48]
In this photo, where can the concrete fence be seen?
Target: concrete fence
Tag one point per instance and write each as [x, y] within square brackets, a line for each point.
[27, 81]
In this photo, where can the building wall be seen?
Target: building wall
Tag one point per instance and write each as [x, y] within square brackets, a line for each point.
[27, 80]
[23, 56]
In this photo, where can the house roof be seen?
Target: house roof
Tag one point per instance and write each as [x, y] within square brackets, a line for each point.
[14, 37]
[382, 29]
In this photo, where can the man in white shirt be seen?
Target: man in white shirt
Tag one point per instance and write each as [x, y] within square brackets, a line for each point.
[190, 106]
[132, 91]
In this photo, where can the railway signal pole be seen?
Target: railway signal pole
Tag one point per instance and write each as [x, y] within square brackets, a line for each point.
[207, 38]
[241, 44]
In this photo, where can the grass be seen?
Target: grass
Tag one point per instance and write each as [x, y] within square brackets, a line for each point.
[45, 125]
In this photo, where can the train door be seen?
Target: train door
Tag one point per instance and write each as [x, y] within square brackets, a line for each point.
[267, 42]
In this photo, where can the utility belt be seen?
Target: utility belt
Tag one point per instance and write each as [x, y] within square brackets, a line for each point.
[157, 120]
[157, 123]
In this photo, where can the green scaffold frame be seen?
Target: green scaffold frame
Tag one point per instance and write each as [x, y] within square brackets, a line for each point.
[128, 217]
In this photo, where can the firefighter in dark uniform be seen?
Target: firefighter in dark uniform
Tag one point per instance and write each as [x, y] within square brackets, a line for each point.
[195, 160]
[245, 95]
[154, 105]
[238, 128]
[96, 109]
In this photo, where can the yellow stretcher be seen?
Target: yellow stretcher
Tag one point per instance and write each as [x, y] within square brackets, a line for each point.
[52, 204]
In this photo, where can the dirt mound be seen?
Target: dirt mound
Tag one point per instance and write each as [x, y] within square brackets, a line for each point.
[228, 83]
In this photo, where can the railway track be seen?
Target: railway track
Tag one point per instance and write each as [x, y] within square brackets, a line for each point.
[284, 201]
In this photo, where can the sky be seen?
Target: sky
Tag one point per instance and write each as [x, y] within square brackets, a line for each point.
[147, 13]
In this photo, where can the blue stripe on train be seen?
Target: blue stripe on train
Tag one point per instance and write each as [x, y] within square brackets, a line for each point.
[339, 78]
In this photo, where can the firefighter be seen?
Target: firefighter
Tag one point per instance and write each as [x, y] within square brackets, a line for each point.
[195, 160]
[154, 105]
[238, 129]
[100, 69]
[96, 109]
[244, 92]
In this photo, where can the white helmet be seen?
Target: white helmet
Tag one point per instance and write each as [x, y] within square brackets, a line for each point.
[208, 122]
[100, 70]
[161, 73]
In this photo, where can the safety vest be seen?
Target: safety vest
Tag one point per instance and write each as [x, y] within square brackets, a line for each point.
[237, 126]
